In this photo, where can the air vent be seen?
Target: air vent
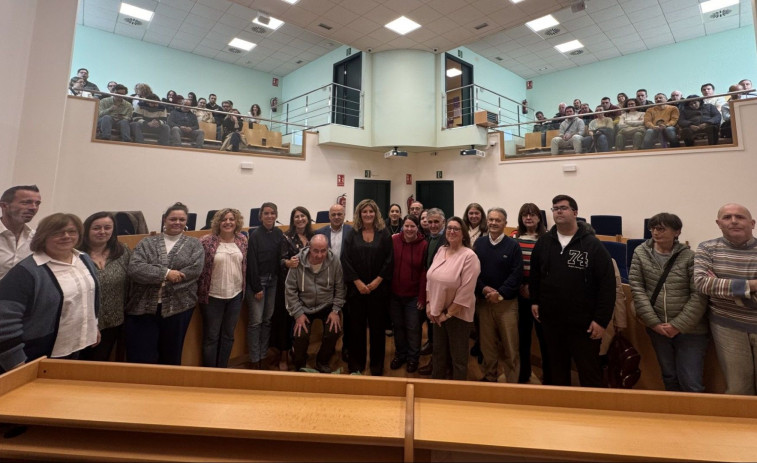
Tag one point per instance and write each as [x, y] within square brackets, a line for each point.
[576, 52]
[258, 29]
[552, 31]
[234, 50]
[133, 21]
[481, 26]
[498, 58]
[720, 13]
[325, 26]
[543, 68]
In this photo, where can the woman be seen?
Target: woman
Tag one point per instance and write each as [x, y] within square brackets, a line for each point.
[530, 228]
[474, 220]
[50, 300]
[424, 223]
[254, 114]
[451, 301]
[111, 260]
[220, 288]
[203, 115]
[141, 90]
[232, 131]
[599, 132]
[76, 87]
[622, 100]
[408, 293]
[630, 126]
[367, 266]
[192, 99]
[263, 263]
[673, 314]
[164, 269]
[395, 214]
[170, 97]
[295, 240]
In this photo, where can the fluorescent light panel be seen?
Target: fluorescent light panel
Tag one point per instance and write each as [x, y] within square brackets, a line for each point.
[243, 44]
[542, 23]
[273, 23]
[403, 25]
[454, 72]
[515, 1]
[569, 46]
[136, 12]
[712, 5]
[291, 2]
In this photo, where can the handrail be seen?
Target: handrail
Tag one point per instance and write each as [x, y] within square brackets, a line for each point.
[315, 90]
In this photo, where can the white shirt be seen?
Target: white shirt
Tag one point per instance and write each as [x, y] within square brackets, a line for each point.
[227, 280]
[77, 328]
[564, 239]
[336, 241]
[12, 251]
[498, 240]
[170, 241]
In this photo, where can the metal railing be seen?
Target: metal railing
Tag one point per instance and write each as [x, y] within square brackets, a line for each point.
[330, 104]
[460, 105]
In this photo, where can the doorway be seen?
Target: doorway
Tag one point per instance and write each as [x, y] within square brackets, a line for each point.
[459, 91]
[345, 109]
[377, 190]
[437, 193]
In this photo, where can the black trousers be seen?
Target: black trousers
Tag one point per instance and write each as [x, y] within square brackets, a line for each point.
[367, 311]
[525, 325]
[566, 342]
[102, 351]
[328, 341]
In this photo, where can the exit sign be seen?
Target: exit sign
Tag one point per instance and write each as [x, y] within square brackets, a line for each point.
[438, 174]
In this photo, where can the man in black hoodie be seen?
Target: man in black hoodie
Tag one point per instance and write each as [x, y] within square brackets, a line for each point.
[572, 287]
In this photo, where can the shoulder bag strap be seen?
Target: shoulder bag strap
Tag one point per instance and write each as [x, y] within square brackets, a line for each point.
[662, 279]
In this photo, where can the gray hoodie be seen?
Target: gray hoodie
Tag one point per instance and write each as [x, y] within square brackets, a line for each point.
[308, 292]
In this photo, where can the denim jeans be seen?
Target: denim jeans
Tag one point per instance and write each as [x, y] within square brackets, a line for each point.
[150, 338]
[737, 355]
[138, 128]
[260, 313]
[668, 135]
[105, 126]
[219, 318]
[681, 360]
[406, 319]
[197, 136]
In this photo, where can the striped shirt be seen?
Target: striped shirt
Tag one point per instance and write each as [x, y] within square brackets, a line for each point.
[722, 271]
[527, 243]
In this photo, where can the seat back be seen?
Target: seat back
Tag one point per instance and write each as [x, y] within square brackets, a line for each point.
[124, 224]
[607, 224]
[209, 218]
[631, 246]
[210, 130]
[533, 140]
[552, 134]
[191, 221]
[254, 217]
[322, 217]
[618, 252]
[647, 233]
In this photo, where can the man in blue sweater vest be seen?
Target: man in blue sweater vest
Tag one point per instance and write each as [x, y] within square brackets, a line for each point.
[497, 291]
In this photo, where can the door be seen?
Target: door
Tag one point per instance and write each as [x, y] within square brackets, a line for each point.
[377, 190]
[345, 109]
[459, 88]
[437, 193]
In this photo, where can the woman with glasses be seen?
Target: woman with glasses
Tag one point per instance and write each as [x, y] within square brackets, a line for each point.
[662, 282]
[50, 300]
[451, 300]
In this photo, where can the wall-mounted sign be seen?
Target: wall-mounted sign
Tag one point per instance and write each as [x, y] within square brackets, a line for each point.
[339, 179]
[367, 174]
[275, 81]
[438, 174]
[409, 179]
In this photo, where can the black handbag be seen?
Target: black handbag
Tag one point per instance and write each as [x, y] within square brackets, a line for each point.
[622, 364]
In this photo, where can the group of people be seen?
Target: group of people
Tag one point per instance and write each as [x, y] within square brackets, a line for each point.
[170, 122]
[640, 122]
[70, 290]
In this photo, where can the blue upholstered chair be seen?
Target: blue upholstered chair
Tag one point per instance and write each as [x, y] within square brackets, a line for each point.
[322, 217]
[618, 252]
[607, 224]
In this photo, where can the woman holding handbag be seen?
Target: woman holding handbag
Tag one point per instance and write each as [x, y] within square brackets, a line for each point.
[662, 283]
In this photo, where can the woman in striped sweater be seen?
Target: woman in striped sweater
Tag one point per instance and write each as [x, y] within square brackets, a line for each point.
[530, 228]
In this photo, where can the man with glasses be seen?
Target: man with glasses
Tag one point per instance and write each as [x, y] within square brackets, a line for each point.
[416, 207]
[19, 205]
[436, 240]
[114, 110]
[572, 286]
[725, 269]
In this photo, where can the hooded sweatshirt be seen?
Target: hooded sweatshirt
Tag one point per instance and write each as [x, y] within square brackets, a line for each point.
[409, 277]
[572, 286]
[308, 292]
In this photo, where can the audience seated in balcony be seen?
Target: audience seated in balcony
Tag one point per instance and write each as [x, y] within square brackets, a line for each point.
[150, 117]
[232, 132]
[254, 114]
[183, 123]
[641, 99]
[115, 110]
[600, 133]
[725, 127]
[611, 111]
[698, 117]
[630, 127]
[88, 86]
[201, 112]
[571, 133]
[171, 97]
[622, 99]
[707, 91]
[192, 98]
[76, 87]
[141, 90]
[660, 122]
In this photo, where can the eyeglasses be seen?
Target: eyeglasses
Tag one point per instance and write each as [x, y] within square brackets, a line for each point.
[560, 208]
[454, 229]
[659, 229]
[62, 233]
[530, 214]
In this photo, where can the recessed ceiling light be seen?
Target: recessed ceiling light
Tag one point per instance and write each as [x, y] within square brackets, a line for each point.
[542, 23]
[569, 46]
[136, 12]
[403, 25]
[453, 72]
[712, 5]
[291, 2]
[515, 1]
[243, 44]
[272, 23]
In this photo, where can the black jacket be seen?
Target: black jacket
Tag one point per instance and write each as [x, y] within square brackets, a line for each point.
[263, 255]
[574, 286]
[366, 261]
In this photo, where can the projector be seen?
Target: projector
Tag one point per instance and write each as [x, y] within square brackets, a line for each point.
[473, 152]
[394, 153]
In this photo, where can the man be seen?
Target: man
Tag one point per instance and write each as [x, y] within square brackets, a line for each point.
[416, 207]
[707, 91]
[88, 86]
[577, 105]
[497, 297]
[660, 122]
[641, 99]
[599, 133]
[542, 125]
[183, 123]
[315, 291]
[725, 269]
[436, 240]
[211, 105]
[337, 231]
[572, 287]
[115, 110]
[150, 117]
[725, 128]
[19, 205]
[747, 84]
[696, 118]
[614, 111]
[226, 106]
[571, 133]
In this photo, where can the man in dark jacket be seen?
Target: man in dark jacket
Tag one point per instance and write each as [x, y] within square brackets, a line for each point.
[699, 117]
[572, 286]
[184, 123]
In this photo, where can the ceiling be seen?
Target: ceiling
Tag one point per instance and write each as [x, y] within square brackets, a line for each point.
[607, 28]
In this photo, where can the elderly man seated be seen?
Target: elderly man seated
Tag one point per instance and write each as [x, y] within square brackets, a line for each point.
[660, 122]
[571, 133]
[698, 117]
[115, 110]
